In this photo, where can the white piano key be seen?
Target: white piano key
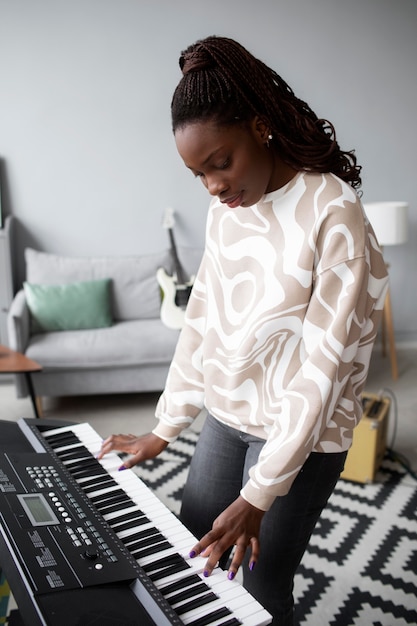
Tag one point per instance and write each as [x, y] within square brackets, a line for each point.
[227, 589]
[240, 607]
[232, 590]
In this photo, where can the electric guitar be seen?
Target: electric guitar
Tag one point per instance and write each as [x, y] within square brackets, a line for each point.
[175, 289]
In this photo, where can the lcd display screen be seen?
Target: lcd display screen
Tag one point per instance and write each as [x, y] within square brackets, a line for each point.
[37, 509]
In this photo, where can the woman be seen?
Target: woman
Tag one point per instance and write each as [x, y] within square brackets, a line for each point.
[280, 324]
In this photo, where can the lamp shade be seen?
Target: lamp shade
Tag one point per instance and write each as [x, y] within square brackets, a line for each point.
[389, 221]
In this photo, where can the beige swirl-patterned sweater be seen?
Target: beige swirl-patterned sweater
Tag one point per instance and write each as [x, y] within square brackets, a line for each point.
[280, 327]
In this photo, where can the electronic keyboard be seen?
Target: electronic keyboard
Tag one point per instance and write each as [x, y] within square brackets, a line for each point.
[85, 543]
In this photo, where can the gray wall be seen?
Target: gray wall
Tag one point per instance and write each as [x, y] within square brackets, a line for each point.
[88, 159]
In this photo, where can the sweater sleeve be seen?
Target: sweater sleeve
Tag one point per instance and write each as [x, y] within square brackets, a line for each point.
[183, 398]
[339, 330]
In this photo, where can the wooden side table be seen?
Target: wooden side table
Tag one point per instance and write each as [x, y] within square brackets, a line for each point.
[12, 362]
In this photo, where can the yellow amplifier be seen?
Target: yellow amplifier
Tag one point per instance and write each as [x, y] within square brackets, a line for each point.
[369, 440]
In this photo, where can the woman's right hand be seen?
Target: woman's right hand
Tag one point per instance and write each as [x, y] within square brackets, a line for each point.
[141, 448]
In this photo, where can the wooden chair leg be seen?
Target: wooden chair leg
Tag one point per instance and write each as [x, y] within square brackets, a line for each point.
[388, 325]
[384, 334]
[39, 407]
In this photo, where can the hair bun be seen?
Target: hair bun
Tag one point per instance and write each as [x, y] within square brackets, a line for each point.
[194, 59]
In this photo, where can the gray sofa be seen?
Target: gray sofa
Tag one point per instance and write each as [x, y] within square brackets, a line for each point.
[130, 355]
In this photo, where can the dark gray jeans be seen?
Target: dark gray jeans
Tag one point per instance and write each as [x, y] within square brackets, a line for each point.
[218, 470]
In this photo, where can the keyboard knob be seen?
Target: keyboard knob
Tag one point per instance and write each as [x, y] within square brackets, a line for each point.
[91, 554]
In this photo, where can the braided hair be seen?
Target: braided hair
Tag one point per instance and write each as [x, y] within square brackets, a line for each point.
[224, 83]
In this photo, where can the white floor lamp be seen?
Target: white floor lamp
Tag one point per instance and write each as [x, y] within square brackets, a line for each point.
[390, 223]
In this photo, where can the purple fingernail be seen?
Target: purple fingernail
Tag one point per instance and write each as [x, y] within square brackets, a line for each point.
[122, 467]
[252, 565]
[206, 573]
[231, 575]
[192, 554]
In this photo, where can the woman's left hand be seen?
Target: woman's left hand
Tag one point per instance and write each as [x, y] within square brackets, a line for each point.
[238, 526]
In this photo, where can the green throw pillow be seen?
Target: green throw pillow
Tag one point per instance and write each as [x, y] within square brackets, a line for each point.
[74, 306]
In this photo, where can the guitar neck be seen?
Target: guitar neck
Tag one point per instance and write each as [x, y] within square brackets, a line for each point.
[178, 268]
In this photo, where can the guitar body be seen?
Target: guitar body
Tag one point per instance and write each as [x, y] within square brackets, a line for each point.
[175, 289]
[174, 300]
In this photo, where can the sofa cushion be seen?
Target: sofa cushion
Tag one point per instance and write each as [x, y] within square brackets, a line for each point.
[127, 343]
[73, 306]
[135, 291]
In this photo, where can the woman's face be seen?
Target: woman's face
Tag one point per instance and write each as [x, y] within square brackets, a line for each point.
[233, 162]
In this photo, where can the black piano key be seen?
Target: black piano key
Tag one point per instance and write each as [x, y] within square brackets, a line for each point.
[74, 460]
[177, 585]
[137, 546]
[160, 568]
[97, 482]
[106, 503]
[128, 515]
[140, 521]
[113, 508]
[132, 523]
[231, 622]
[61, 439]
[190, 592]
[71, 459]
[167, 571]
[196, 603]
[109, 496]
[172, 559]
[88, 471]
[125, 517]
[65, 442]
[211, 617]
[80, 452]
[79, 470]
[153, 549]
[132, 546]
[146, 540]
[82, 463]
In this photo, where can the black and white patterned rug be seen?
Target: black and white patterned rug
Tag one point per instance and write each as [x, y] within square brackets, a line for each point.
[361, 566]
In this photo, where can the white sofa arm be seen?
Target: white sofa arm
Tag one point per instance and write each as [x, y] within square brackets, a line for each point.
[18, 323]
